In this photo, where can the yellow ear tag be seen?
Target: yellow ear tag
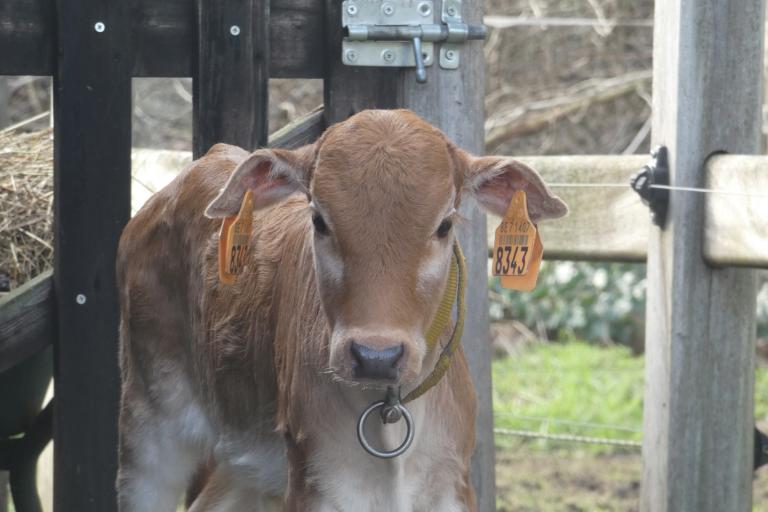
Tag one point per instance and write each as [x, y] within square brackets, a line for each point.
[234, 240]
[517, 249]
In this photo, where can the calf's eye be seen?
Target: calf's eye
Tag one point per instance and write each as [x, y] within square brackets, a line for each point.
[444, 228]
[321, 228]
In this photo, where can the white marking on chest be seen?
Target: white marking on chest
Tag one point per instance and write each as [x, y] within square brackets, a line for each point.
[258, 463]
[350, 480]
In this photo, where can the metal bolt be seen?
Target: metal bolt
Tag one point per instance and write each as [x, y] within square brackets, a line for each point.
[350, 55]
[450, 54]
[425, 9]
[234, 30]
[388, 9]
[388, 56]
[352, 9]
[99, 27]
[390, 414]
[451, 11]
[80, 299]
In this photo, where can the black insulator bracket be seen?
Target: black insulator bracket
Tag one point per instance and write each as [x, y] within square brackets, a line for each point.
[761, 449]
[648, 182]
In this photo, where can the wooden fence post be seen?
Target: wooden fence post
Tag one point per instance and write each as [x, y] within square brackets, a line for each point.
[453, 101]
[231, 74]
[92, 180]
[700, 324]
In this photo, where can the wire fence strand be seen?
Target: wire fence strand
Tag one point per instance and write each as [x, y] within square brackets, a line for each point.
[568, 438]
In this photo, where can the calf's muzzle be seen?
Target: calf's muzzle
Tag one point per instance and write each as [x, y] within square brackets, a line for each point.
[376, 363]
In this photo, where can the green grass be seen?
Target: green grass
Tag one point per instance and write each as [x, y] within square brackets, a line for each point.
[570, 388]
[573, 388]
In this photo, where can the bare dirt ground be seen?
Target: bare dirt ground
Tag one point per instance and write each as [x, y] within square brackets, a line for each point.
[554, 482]
[567, 482]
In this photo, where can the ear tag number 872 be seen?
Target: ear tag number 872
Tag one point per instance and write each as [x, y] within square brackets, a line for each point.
[234, 240]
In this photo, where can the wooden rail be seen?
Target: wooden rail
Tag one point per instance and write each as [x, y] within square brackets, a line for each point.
[612, 224]
[163, 37]
[26, 321]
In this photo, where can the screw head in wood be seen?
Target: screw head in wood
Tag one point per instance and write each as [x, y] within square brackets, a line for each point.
[99, 27]
[80, 299]
[234, 30]
[350, 56]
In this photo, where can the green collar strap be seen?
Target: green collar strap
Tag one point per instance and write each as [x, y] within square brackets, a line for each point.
[454, 292]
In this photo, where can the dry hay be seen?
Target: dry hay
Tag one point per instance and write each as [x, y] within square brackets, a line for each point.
[26, 206]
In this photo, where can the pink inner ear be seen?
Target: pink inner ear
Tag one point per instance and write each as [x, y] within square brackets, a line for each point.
[495, 194]
[257, 178]
[259, 181]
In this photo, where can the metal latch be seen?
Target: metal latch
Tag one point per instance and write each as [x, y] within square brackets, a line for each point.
[402, 33]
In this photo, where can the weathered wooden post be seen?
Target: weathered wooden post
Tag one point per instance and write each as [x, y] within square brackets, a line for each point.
[92, 98]
[700, 323]
[231, 73]
[451, 99]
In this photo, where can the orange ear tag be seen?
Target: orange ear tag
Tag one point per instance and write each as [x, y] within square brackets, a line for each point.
[234, 240]
[517, 249]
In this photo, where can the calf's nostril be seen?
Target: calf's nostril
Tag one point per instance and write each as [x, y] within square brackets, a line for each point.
[373, 363]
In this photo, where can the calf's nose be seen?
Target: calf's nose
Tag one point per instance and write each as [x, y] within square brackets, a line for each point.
[374, 363]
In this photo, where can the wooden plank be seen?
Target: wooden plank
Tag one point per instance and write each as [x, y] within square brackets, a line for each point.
[300, 132]
[26, 37]
[297, 39]
[5, 100]
[165, 38]
[92, 178]
[232, 74]
[604, 224]
[348, 90]
[26, 321]
[736, 226]
[700, 323]
[453, 101]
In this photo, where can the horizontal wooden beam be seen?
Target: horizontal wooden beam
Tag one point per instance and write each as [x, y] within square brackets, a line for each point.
[736, 225]
[304, 130]
[611, 223]
[164, 42]
[26, 321]
[605, 223]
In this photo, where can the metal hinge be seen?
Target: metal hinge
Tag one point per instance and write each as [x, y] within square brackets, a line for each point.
[403, 33]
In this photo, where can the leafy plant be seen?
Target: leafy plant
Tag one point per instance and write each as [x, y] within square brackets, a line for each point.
[598, 302]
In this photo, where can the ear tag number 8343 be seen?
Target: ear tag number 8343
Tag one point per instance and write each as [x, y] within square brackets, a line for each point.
[517, 248]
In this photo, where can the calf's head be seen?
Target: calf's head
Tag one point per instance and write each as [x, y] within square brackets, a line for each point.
[383, 188]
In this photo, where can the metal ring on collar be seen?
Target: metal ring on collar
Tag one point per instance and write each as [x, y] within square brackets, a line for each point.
[385, 454]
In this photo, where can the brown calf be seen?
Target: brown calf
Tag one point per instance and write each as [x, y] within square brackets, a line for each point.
[351, 245]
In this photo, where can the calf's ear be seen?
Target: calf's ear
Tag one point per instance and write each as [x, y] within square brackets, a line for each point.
[492, 180]
[270, 174]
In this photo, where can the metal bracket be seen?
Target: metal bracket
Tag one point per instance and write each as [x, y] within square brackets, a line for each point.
[402, 33]
[645, 183]
[760, 450]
